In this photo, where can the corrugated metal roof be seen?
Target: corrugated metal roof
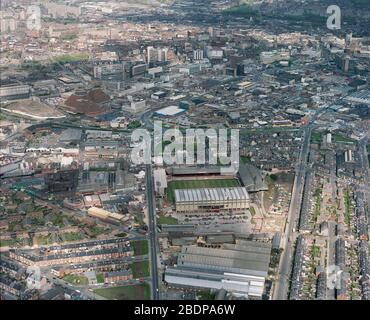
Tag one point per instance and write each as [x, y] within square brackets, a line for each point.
[211, 194]
[250, 285]
[253, 256]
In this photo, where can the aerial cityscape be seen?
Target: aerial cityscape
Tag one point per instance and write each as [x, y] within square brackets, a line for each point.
[185, 150]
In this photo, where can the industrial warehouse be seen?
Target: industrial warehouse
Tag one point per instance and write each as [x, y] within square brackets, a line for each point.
[211, 199]
[240, 268]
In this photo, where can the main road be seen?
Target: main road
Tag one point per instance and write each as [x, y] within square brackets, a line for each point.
[152, 230]
[289, 235]
[363, 156]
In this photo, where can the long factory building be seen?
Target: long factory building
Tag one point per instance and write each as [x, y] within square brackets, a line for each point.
[239, 268]
[211, 199]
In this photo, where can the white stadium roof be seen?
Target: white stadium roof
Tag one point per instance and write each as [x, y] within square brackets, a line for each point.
[211, 194]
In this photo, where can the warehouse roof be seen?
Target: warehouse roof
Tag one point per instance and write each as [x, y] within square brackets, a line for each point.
[226, 258]
[170, 111]
[240, 267]
[253, 286]
[250, 246]
[211, 194]
[70, 135]
[220, 238]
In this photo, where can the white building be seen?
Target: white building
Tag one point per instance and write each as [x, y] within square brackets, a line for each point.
[239, 268]
[348, 156]
[269, 57]
[157, 54]
[213, 53]
[160, 181]
[192, 201]
[14, 92]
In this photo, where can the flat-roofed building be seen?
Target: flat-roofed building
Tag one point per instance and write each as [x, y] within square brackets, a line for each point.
[160, 180]
[14, 92]
[211, 199]
[104, 214]
[139, 69]
[170, 111]
[275, 55]
[238, 268]
[110, 71]
[71, 135]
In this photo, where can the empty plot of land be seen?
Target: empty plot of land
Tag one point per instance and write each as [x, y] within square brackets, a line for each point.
[195, 184]
[140, 269]
[140, 247]
[76, 279]
[167, 220]
[137, 292]
[33, 109]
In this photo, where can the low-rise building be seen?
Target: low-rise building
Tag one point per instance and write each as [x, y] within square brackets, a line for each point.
[116, 276]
